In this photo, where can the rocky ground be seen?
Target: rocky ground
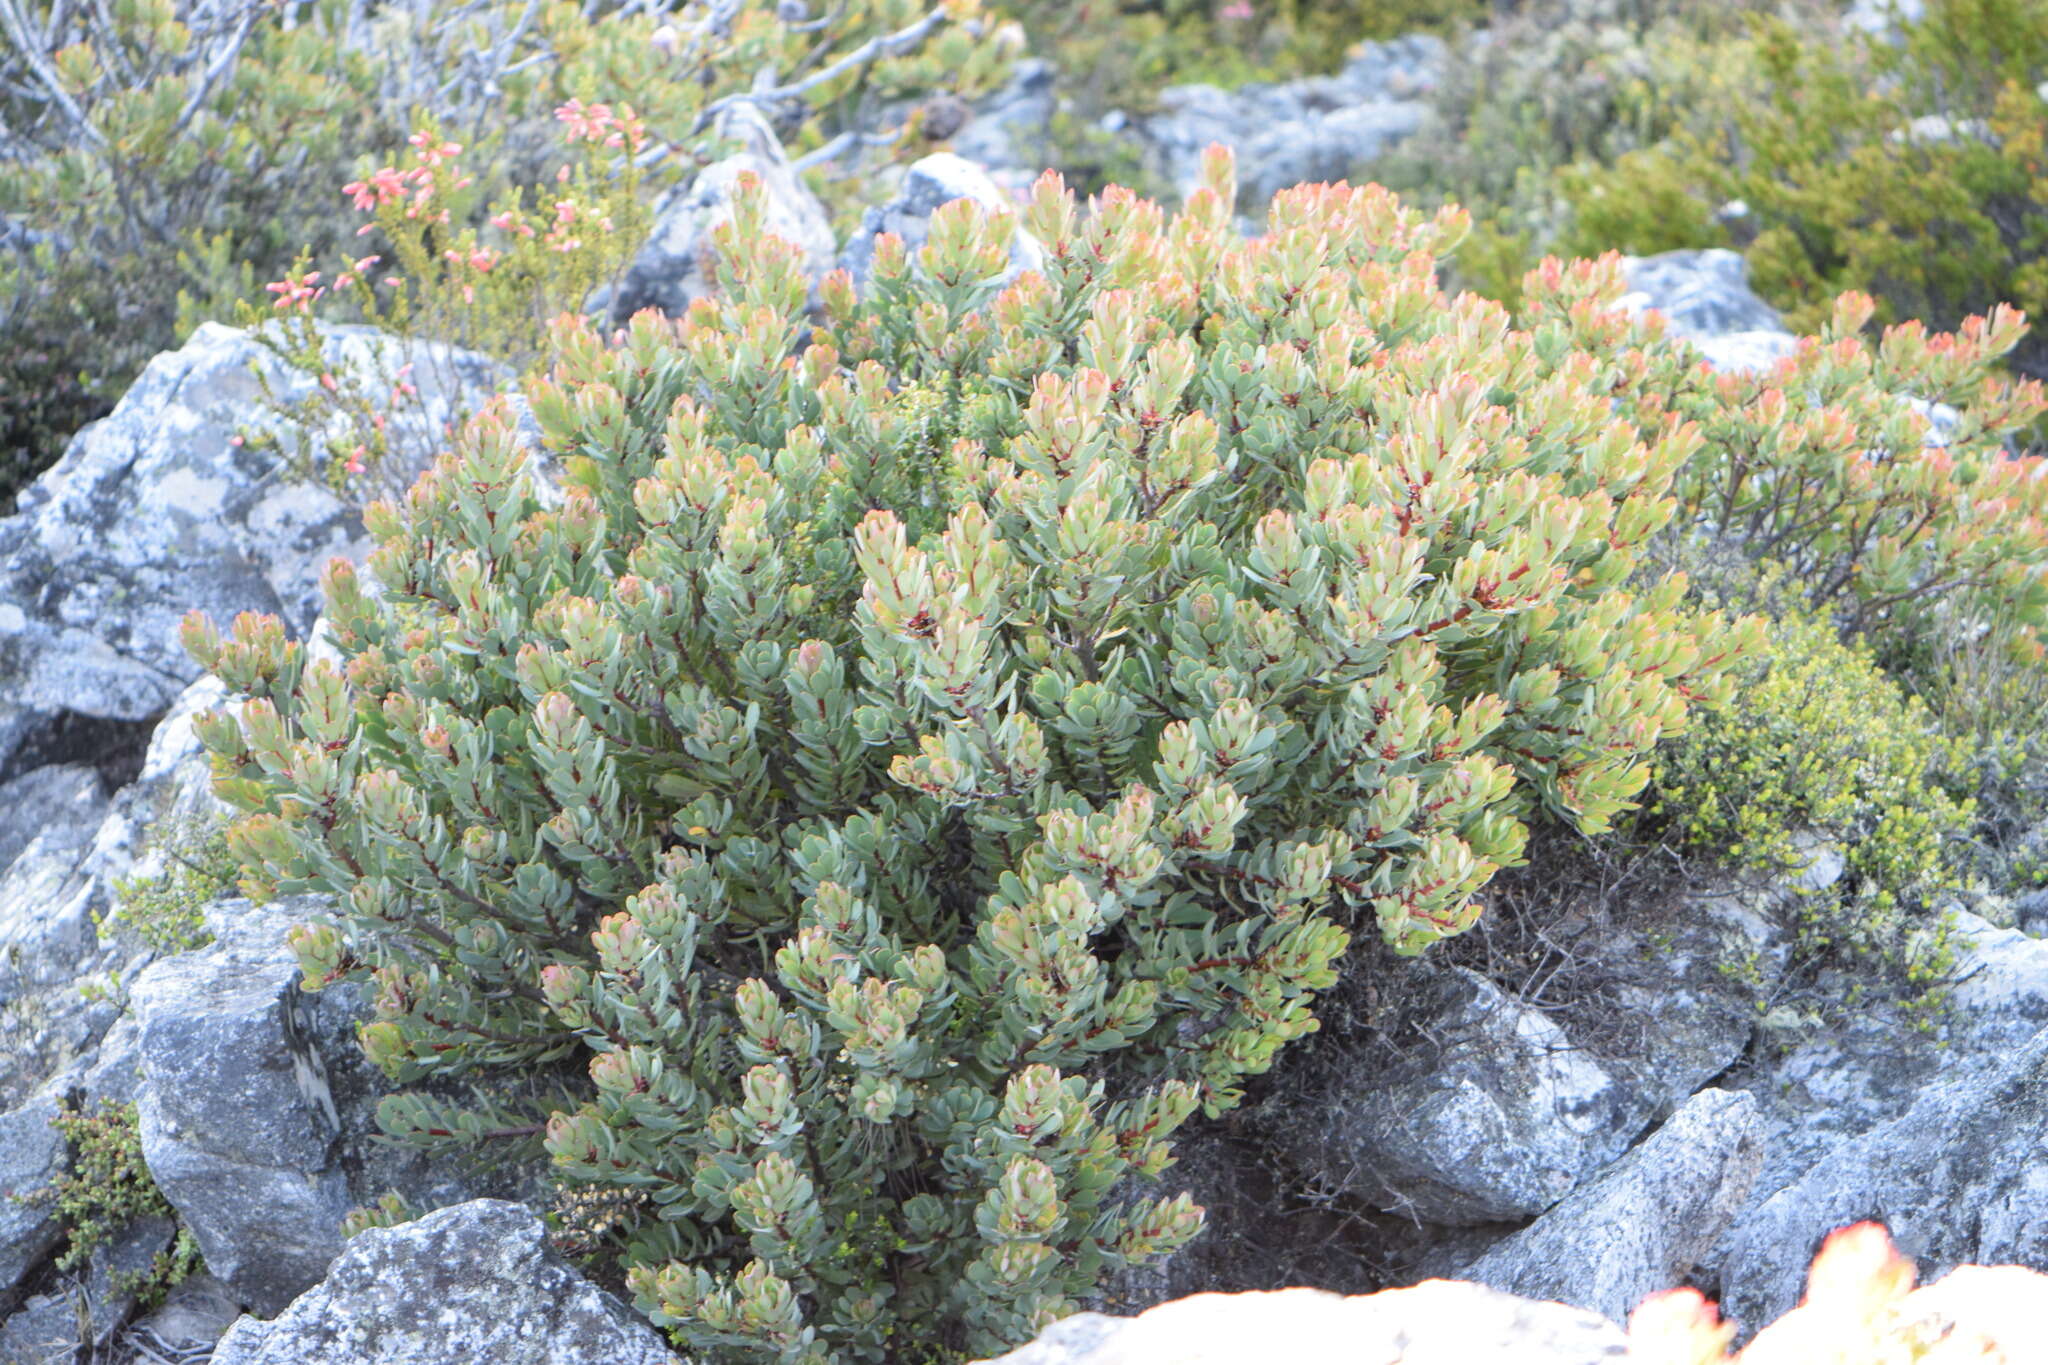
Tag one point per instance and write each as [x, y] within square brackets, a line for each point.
[1652, 1132]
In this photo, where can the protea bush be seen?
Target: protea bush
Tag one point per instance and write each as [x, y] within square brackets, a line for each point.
[904, 762]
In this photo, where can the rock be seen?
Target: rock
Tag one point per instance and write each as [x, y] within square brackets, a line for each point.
[1958, 1178]
[1700, 293]
[238, 1122]
[2030, 912]
[196, 1313]
[674, 265]
[44, 1331]
[1009, 134]
[1885, 18]
[1873, 1066]
[1456, 1104]
[1646, 1221]
[153, 511]
[68, 792]
[106, 1299]
[476, 1282]
[1438, 1322]
[929, 183]
[31, 1157]
[1319, 128]
[49, 898]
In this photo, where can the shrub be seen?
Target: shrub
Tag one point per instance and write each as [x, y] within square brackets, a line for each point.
[167, 910]
[917, 772]
[1860, 1308]
[1119, 53]
[1553, 84]
[108, 1187]
[1913, 171]
[1820, 749]
[174, 155]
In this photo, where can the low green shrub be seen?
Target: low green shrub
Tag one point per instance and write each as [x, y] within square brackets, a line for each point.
[167, 911]
[1558, 83]
[106, 1188]
[1820, 749]
[910, 775]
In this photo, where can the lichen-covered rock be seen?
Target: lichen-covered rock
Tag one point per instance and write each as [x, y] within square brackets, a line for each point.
[1958, 1178]
[673, 267]
[238, 1122]
[155, 510]
[929, 183]
[476, 1282]
[31, 1157]
[67, 792]
[1441, 1322]
[1870, 1068]
[1318, 128]
[1705, 297]
[1646, 1221]
[1457, 1104]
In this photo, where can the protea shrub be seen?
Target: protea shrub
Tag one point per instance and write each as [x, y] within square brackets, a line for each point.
[904, 761]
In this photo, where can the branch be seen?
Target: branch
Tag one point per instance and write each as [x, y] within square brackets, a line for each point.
[881, 45]
[31, 52]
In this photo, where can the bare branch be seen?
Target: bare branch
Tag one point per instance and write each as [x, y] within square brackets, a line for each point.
[874, 49]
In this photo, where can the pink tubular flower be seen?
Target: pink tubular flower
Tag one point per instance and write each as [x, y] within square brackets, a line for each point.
[355, 459]
[297, 291]
[1237, 11]
[382, 187]
[430, 152]
[586, 123]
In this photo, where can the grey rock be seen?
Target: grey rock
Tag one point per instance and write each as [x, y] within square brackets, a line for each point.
[238, 1122]
[152, 511]
[46, 1330]
[2030, 912]
[49, 896]
[1700, 293]
[1958, 1179]
[1319, 128]
[1009, 132]
[474, 1282]
[43, 796]
[106, 1297]
[1436, 1322]
[1646, 1221]
[928, 184]
[31, 1157]
[673, 267]
[197, 1312]
[1460, 1105]
[1871, 1068]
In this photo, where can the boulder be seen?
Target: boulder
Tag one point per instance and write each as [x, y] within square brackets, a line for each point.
[1645, 1222]
[157, 509]
[238, 1122]
[1319, 128]
[66, 880]
[67, 792]
[1706, 299]
[1957, 1177]
[31, 1157]
[1009, 133]
[929, 183]
[1870, 1068]
[475, 1282]
[673, 267]
[1457, 1104]
[1438, 1323]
